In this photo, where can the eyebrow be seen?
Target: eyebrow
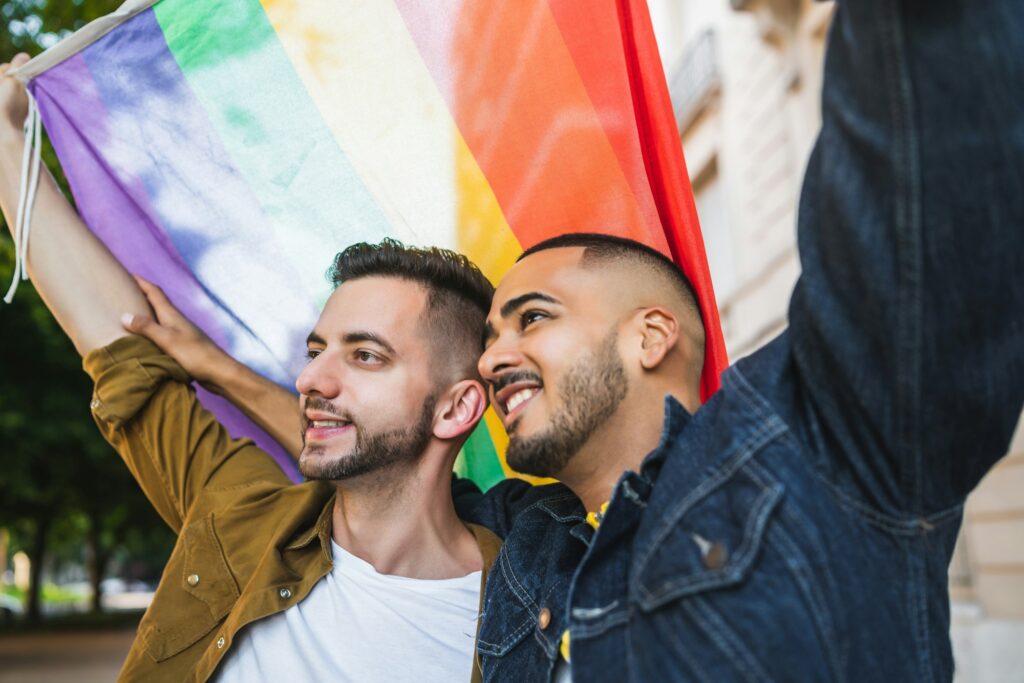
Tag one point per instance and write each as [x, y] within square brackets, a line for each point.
[373, 338]
[354, 338]
[510, 306]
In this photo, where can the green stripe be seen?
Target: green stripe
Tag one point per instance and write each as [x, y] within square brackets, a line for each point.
[479, 459]
[270, 126]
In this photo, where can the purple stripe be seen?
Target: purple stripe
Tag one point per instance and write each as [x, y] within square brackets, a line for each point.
[119, 211]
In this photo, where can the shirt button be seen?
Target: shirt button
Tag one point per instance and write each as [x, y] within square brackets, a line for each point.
[220, 643]
[193, 579]
[715, 557]
[544, 618]
[284, 593]
[94, 404]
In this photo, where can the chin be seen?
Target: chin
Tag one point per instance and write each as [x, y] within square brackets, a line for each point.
[538, 455]
[315, 464]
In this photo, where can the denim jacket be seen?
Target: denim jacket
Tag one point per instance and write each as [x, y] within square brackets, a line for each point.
[799, 526]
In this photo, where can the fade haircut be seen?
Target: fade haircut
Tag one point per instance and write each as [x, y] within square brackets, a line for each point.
[458, 296]
[601, 250]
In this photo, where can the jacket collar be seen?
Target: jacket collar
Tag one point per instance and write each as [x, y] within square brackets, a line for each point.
[675, 421]
[321, 529]
[563, 506]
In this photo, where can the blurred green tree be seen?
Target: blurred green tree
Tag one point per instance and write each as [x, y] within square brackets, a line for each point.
[55, 469]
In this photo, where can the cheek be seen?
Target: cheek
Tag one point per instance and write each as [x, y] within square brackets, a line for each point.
[388, 400]
[553, 354]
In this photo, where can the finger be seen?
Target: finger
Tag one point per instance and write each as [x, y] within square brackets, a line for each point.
[157, 299]
[142, 282]
[146, 326]
[20, 59]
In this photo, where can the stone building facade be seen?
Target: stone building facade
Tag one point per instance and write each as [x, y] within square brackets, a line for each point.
[745, 79]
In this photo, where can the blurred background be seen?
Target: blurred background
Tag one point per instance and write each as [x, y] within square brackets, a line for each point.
[80, 549]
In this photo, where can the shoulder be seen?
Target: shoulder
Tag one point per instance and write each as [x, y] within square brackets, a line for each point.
[505, 502]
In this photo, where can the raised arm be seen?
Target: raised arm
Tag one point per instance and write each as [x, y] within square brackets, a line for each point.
[908, 320]
[142, 400]
[81, 282]
[273, 408]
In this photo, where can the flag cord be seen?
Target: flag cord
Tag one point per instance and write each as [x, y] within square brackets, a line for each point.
[31, 162]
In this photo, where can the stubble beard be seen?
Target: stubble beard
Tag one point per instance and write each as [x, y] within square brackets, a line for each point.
[373, 452]
[591, 391]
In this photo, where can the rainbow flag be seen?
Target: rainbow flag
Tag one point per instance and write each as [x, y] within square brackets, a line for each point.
[227, 149]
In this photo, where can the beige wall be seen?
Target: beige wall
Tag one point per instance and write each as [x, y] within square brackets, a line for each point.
[747, 126]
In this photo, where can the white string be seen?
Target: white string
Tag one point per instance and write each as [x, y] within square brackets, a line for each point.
[31, 162]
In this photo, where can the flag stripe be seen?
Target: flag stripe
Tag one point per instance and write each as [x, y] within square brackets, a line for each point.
[589, 31]
[549, 176]
[272, 131]
[380, 104]
[154, 110]
[117, 207]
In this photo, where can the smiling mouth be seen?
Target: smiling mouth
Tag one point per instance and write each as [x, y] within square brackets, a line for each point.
[322, 430]
[517, 402]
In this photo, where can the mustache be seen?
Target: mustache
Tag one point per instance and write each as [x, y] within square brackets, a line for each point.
[516, 376]
[322, 405]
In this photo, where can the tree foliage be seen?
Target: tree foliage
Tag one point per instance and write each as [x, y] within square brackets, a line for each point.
[56, 472]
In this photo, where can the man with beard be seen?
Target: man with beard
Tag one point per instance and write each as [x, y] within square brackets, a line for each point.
[799, 525]
[363, 573]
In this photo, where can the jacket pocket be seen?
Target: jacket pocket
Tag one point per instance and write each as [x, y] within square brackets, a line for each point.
[710, 539]
[509, 614]
[196, 593]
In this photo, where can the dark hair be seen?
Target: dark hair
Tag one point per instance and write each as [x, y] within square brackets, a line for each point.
[609, 248]
[458, 294]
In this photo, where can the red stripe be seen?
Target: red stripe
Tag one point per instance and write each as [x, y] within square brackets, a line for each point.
[593, 35]
[669, 180]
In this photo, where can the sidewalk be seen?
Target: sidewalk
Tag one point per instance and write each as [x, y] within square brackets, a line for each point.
[70, 657]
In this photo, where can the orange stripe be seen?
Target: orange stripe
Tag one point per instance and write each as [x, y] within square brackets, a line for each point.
[593, 36]
[526, 116]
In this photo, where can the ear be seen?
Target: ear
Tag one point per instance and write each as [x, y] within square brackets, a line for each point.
[461, 409]
[659, 333]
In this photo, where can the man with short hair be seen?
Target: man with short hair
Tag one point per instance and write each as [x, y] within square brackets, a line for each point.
[363, 573]
[799, 525]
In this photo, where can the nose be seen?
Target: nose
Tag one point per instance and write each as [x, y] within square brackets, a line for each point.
[498, 357]
[319, 377]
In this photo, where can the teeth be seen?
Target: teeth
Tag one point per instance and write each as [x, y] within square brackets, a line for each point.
[518, 399]
[326, 423]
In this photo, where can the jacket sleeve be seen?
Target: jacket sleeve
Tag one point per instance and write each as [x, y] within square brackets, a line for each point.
[498, 508]
[908, 320]
[147, 410]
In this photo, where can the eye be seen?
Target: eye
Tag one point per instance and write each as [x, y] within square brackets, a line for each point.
[529, 317]
[367, 357]
[312, 353]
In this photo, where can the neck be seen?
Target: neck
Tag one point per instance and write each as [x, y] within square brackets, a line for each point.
[621, 444]
[402, 521]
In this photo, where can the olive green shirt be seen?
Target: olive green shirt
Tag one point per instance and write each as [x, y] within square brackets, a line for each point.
[250, 542]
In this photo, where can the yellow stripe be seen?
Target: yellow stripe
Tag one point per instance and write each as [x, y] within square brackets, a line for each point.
[365, 75]
[500, 439]
[483, 233]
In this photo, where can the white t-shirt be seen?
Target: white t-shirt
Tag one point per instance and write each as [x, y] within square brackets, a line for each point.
[360, 626]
